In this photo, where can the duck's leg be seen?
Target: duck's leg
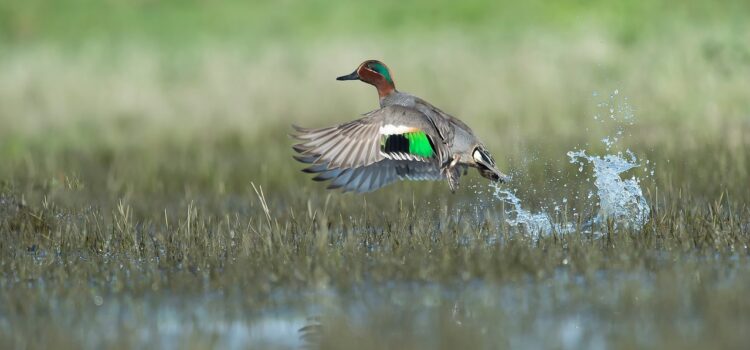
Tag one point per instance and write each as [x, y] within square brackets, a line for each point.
[452, 173]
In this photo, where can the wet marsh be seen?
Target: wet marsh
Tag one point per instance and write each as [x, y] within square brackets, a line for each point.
[148, 198]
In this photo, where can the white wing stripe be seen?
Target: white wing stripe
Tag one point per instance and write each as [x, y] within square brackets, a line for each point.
[390, 129]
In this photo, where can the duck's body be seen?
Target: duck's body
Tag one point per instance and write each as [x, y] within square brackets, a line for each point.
[406, 139]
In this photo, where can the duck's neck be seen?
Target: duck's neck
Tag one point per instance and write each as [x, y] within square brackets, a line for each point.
[385, 88]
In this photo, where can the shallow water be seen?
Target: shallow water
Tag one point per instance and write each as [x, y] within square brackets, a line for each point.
[566, 311]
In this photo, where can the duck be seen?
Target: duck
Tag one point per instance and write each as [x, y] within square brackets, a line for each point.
[407, 138]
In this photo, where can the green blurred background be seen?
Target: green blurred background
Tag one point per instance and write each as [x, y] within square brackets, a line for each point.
[107, 80]
[250, 23]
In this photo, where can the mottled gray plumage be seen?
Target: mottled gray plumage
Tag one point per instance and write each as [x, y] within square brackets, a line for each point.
[359, 156]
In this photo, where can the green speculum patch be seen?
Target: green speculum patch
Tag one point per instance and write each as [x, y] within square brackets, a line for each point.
[419, 144]
[415, 143]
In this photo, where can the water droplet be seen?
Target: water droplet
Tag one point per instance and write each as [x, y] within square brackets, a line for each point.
[619, 199]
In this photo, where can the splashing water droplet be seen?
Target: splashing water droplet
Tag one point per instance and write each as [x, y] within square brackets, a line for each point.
[533, 223]
[620, 200]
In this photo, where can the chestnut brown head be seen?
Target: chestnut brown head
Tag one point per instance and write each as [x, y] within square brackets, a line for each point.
[375, 73]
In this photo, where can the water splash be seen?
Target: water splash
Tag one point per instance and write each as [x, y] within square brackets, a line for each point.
[619, 200]
[533, 223]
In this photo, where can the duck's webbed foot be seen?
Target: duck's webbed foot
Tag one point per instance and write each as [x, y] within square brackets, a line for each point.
[452, 172]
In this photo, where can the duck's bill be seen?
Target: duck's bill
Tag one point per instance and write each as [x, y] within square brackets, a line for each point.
[353, 76]
[493, 174]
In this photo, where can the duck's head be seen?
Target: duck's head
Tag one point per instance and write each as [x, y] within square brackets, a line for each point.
[482, 160]
[375, 73]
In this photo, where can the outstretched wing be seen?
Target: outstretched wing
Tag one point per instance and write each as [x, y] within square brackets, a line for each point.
[386, 145]
[374, 176]
[347, 145]
[393, 132]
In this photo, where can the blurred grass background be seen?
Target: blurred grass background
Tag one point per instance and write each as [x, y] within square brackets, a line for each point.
[120, 120]
[105, 78]
[254, 22]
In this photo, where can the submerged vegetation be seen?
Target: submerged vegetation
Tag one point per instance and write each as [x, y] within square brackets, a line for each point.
[148, 197]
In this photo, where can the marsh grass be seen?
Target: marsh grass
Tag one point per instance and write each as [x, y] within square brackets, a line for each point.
[148, 197]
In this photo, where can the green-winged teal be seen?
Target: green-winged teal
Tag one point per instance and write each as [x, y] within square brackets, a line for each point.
[406, 139]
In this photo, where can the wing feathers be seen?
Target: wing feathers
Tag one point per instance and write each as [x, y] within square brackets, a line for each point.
[342, 146]
[376, 175]
[349, 155]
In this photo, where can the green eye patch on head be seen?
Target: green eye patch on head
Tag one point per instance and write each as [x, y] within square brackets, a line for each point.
[380, 68]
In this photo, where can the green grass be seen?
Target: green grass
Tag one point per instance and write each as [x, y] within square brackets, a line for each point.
[77, 22]
[148, 197]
